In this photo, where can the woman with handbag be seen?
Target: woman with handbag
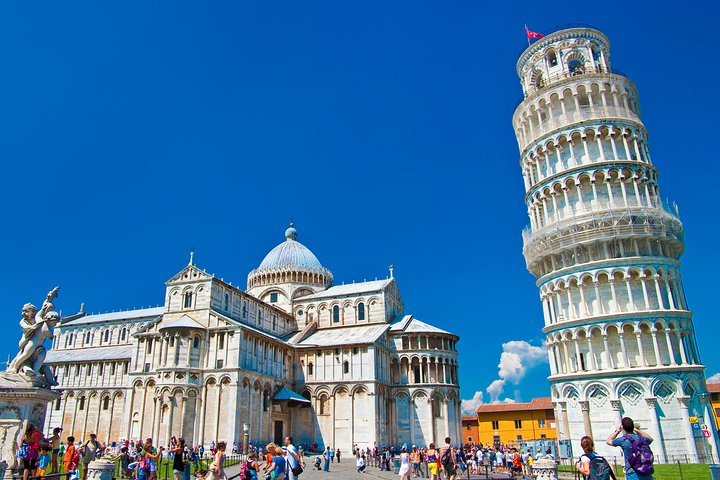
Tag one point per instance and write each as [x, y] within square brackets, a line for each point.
[217, 472]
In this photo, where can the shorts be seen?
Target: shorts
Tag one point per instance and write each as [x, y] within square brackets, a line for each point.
[30, 464]
[450, 470]
[433, 468]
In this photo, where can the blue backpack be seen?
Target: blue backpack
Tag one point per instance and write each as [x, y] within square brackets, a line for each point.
[599, 468]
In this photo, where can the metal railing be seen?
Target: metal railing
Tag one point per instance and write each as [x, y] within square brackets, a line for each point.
[566, 26]
[603, 225]
[577, 74]
[164, 467]
[561, 120]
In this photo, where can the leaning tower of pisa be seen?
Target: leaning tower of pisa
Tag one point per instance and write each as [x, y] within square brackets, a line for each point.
[605, 250]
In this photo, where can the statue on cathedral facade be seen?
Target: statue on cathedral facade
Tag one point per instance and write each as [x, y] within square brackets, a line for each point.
[37, 327]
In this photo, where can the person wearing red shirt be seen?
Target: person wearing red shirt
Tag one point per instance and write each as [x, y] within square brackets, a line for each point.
[32, 439]
[71, 458]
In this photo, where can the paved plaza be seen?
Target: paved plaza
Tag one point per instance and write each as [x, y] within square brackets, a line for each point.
[346, 470]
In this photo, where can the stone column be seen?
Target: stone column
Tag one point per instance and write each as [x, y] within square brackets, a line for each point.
[658, 444]
[157, 418]
[643, 362]
[685, 416]
[112, 409]
[615, 404]
[130, 412]
[203, 411]
[565, 420]
[446, 414]
[183, 407]
[99, 410]
[141, 420]
[585, 406]
[608, 353]
[217, 411]
[171, 409]
[411, 411]
[656, 346]
[624, 357]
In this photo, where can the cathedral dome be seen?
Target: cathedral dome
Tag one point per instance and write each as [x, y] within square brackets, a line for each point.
[290, 262]
[290, 254]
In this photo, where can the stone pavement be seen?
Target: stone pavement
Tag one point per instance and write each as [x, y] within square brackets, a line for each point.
[346, 470]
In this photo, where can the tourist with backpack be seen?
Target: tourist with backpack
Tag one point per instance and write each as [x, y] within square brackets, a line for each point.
[249, 469]
[635, 445]
[592, 465]
[447, 460]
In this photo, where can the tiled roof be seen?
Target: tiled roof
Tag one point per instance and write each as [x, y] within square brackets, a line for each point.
[543, 403]
[713, 387]
[469, 418]
[115, 316]
[344, 336]
[349, 289]
[115, 352]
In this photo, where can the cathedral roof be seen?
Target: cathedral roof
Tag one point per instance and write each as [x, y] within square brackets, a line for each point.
[291, 255]
[349, 289]
[338, 336]
[115, 352]
[141, 313]
[410, 324]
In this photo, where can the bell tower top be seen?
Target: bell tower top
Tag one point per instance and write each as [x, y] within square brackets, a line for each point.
[563, 54]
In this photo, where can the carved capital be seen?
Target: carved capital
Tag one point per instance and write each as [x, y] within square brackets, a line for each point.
[651, 401]
[684, 401]
[584, 405]
[563, 406]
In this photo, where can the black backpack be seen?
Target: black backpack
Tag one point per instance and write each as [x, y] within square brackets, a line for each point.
[446, 456]
[599, 468]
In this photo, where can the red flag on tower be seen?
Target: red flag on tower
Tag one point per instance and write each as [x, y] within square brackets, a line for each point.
[532, 34]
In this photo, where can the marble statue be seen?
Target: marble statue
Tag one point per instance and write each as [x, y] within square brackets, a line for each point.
[37, 327]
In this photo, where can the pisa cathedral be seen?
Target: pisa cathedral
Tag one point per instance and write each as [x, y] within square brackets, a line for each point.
[605, 251]
[336, 365]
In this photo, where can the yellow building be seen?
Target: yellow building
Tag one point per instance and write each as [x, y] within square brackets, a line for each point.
[470, 429]
[509, 423]
[714, 389]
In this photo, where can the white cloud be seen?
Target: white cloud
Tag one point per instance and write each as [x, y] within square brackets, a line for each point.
[714, 379]
[469, 407]
[517, 358]
[495, 389]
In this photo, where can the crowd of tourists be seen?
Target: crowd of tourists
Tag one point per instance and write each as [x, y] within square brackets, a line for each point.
[139, 460]
[42, 455]
[447, 461]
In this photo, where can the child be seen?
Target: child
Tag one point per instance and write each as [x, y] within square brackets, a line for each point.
[124, 462]
[43, 461]
[71, 459]
[201, 474]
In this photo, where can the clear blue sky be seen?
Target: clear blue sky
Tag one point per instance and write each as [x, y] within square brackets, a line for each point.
[135, 131]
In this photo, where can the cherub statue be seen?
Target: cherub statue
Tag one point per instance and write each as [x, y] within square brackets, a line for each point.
[37, 327]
